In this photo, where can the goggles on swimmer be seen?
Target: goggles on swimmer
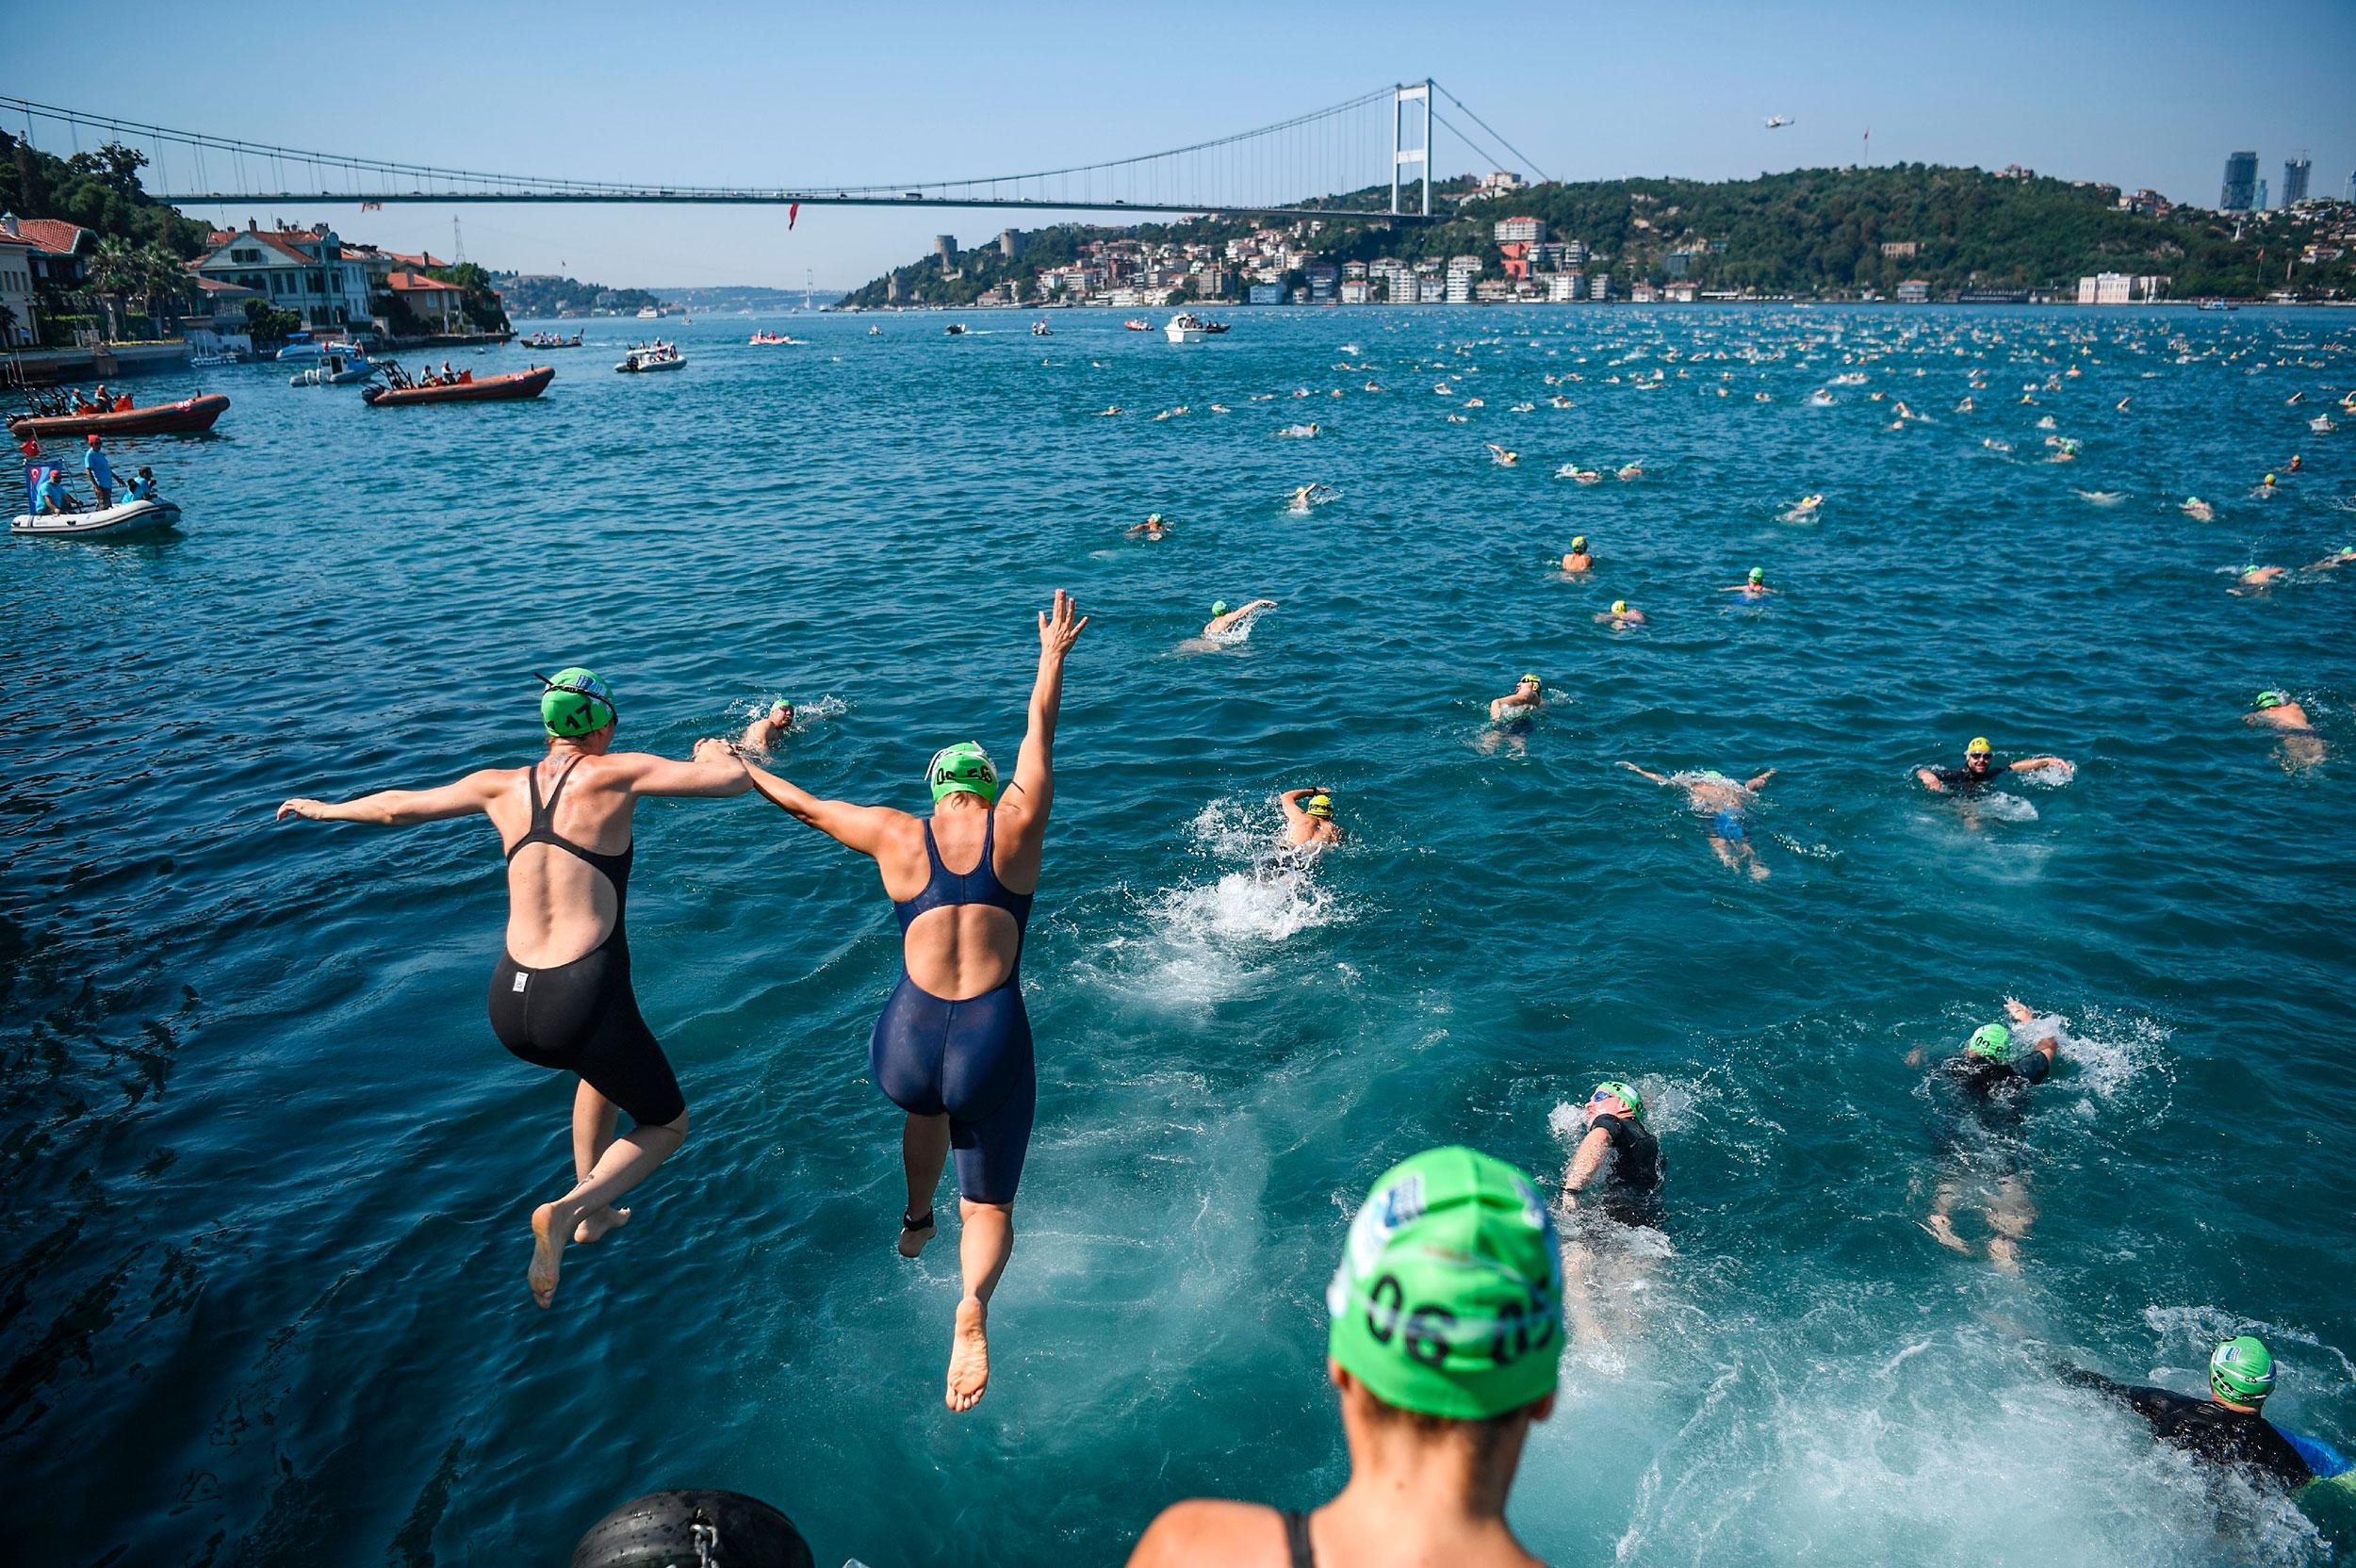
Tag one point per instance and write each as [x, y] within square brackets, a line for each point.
[571, 700]
[1626, 1094]
[1319, 806]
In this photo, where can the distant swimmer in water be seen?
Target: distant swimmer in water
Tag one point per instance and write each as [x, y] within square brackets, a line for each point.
[1224, 620]
[2228, 1431]
[953, 1048]
[1985, 1084]
[561, 995]
[1629, 472]
[1108, 412]
[2198, 509]
[1578, 560]
[1298, 431]
[1979, 770]
[1725, 808]
[1584, 475]
[2302, 744]
[1500, 456]
[2256, 580]
[1309, 818]
[1620, 615]
[1753, 587]
[2341, 556]
[1801, 511]
[1445, 1343]
[2121, 405]
[2296, 464]
[1521, 705]
[1155, 527]
[1308, 496]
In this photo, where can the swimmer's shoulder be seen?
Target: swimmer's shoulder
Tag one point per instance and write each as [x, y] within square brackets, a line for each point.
[1211, 1529]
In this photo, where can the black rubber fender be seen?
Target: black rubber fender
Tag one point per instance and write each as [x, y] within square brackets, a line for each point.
[660, 1530]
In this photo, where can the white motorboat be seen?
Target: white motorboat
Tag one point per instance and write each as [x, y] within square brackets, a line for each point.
[337, 367]
[130, 517]
[301, 345]
[647, 313]
[2321, 424]
[1184, 329]
[660, 356]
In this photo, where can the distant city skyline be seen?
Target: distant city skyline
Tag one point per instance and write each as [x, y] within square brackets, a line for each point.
[731, 94]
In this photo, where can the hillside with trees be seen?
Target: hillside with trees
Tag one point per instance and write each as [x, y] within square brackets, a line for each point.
[540, 297]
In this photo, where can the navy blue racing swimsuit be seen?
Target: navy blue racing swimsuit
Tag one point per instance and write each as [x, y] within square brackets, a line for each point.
[969, 1060]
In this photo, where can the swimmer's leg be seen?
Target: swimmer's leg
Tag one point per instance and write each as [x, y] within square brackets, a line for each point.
[594, 1118]
[627, 1162]
[1576, 1297]
[924, 1150]
[2011, 1213]
[1940, 1224]
[984, 1244]
[1725, 852]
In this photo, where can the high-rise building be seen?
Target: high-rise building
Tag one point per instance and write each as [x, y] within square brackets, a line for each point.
[2262, 195]
[2295, 180]
[2241, 178]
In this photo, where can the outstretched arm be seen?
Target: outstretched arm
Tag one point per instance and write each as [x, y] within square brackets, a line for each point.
[400, 808]
[1760, 781]
[860, 828]
[1644, 773]
[714, 773]
[1059, 627]
[2021, 764]
[1586, 1162]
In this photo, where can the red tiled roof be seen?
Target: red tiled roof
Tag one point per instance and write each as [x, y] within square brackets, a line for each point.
[53, 235]
[286, 243]
[413, 283]
[214, 286]
[421, 262]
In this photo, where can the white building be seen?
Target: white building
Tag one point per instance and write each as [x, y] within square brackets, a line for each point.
[1562, 288]
[1600, 287]
[1521, 231]
[2105, 288]
[17, 327]
[1435, 291]
[306, 271]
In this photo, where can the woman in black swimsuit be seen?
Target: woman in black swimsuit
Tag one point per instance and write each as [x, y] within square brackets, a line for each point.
[561, 996]
[952, 1047]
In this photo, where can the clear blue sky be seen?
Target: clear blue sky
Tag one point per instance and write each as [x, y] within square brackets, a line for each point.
[2136, 94]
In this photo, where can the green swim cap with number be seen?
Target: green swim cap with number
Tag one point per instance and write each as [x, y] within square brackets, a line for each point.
[1448, 1300]
[1626, 1093]
[576, 702]
[1992, 1041]
[2242, 1370]
[964, 767]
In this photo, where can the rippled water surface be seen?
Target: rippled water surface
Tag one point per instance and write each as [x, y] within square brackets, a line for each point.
[268, 1172]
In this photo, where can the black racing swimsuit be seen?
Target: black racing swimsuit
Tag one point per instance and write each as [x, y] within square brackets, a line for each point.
[1963, 781]
[1631, 1190]
[2207, 1428]
[582, 1017]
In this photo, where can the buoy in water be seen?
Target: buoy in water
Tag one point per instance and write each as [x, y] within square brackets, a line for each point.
[695, 1528]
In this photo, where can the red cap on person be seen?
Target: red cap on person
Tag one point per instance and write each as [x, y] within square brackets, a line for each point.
[92, 438]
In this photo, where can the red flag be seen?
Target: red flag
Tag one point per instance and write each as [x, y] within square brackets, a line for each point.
[793, 210]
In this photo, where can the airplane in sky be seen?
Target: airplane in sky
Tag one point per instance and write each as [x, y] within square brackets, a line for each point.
[1776, 122]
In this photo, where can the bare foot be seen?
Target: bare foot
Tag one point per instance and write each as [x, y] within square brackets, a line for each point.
[547, 1252]
[968, 1357]
[1759, 872]
[2004, 1253]
[595, 1225]
[913, 1237]
[1942, 1231]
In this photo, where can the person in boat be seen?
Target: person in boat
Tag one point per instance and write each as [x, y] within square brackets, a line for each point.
[99, 473]
[1309, 818]
[1984, 1089]
[142, 486]
[99, 401]
[952, 1047]
[1443, 1344]
[1979, 770]
[1578, 560]
[54, 499]
[1725, 806]
[450, 377]
[561, 995]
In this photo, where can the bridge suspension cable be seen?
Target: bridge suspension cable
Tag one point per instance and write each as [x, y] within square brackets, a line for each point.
[1336, 159]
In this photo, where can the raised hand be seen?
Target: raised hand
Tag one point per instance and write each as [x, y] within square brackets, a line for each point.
[1058, 629]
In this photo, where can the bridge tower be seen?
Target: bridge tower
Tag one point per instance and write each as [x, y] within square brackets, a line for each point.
[1400, 153]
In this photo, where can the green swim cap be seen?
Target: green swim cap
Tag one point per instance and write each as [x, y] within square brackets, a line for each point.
[1991, 1040]
[1219, 607]
[1758, 574]
[2242, 1370]
[1449, 1298]
[2269, 699]
[1624, 1091]
[962, 767]
[576, 702]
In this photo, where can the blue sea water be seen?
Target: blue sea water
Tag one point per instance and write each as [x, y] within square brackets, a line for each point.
[268, 1172]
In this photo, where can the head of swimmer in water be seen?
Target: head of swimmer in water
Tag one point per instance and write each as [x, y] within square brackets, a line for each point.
[962, 770]
[1758, 576]
[2241, 1374]
[2268, 699]
[1979, 755]
[1578, 546]
[1319, 806]
[577, 707]
[1527, 686]
[1614, 1098]
[1447, 1310]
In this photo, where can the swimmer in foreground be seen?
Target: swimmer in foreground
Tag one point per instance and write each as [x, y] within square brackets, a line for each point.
[1755, 586]
[1223, 619]
[2302, 745]
[1988, 1082]
[1725, 806]
[1309, 818]
[952, 1047]
[1445, 1332]
[1979, 770]
[1155, 527]
[1619, 1158]
[1521, 705]
[1578, 560]
[2228, 1428]
[1619, 617]
[1306, 496]
[561, 995]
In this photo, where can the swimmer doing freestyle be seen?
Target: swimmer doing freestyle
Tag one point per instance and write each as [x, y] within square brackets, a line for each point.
[952, 1047]
[561, 996]
[1725, 806]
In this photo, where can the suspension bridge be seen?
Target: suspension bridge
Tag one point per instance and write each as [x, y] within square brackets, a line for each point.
[1336, 162]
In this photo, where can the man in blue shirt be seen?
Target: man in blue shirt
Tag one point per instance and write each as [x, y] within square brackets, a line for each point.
[102, 477]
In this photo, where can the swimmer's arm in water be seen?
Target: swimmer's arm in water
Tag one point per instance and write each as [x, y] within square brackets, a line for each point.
[1931, 780]
[1642, 772]
[400, 808]
[864, 828]
[2024, 1015]
[1290, 800]
[2024, 763]
[1059, 627]
[1761, 782]
[1585, 1163]
[714, 773]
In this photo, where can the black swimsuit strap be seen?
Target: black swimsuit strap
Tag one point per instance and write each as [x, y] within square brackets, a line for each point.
[1299, 1552]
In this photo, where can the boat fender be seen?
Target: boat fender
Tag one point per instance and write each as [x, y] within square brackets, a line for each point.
[693, 1528]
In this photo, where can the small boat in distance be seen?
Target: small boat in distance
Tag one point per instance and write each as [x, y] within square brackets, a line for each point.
[510, 387]
[1040, 329]
[219, 357]
[129, 517]
[649, 313]
[643, 357]
[773, 338]
[547, 340]
[2218, 304]
[337, 367]
[1138, 326]
[299, 345]
[188, 417]
[955, 329]
[1186, 327]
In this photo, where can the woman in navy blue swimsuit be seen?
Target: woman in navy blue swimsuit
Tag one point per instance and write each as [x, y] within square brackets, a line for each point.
[953, 1048]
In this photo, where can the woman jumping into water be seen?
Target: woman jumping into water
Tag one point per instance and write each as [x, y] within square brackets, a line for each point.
[561, 996]
[953, 1048]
